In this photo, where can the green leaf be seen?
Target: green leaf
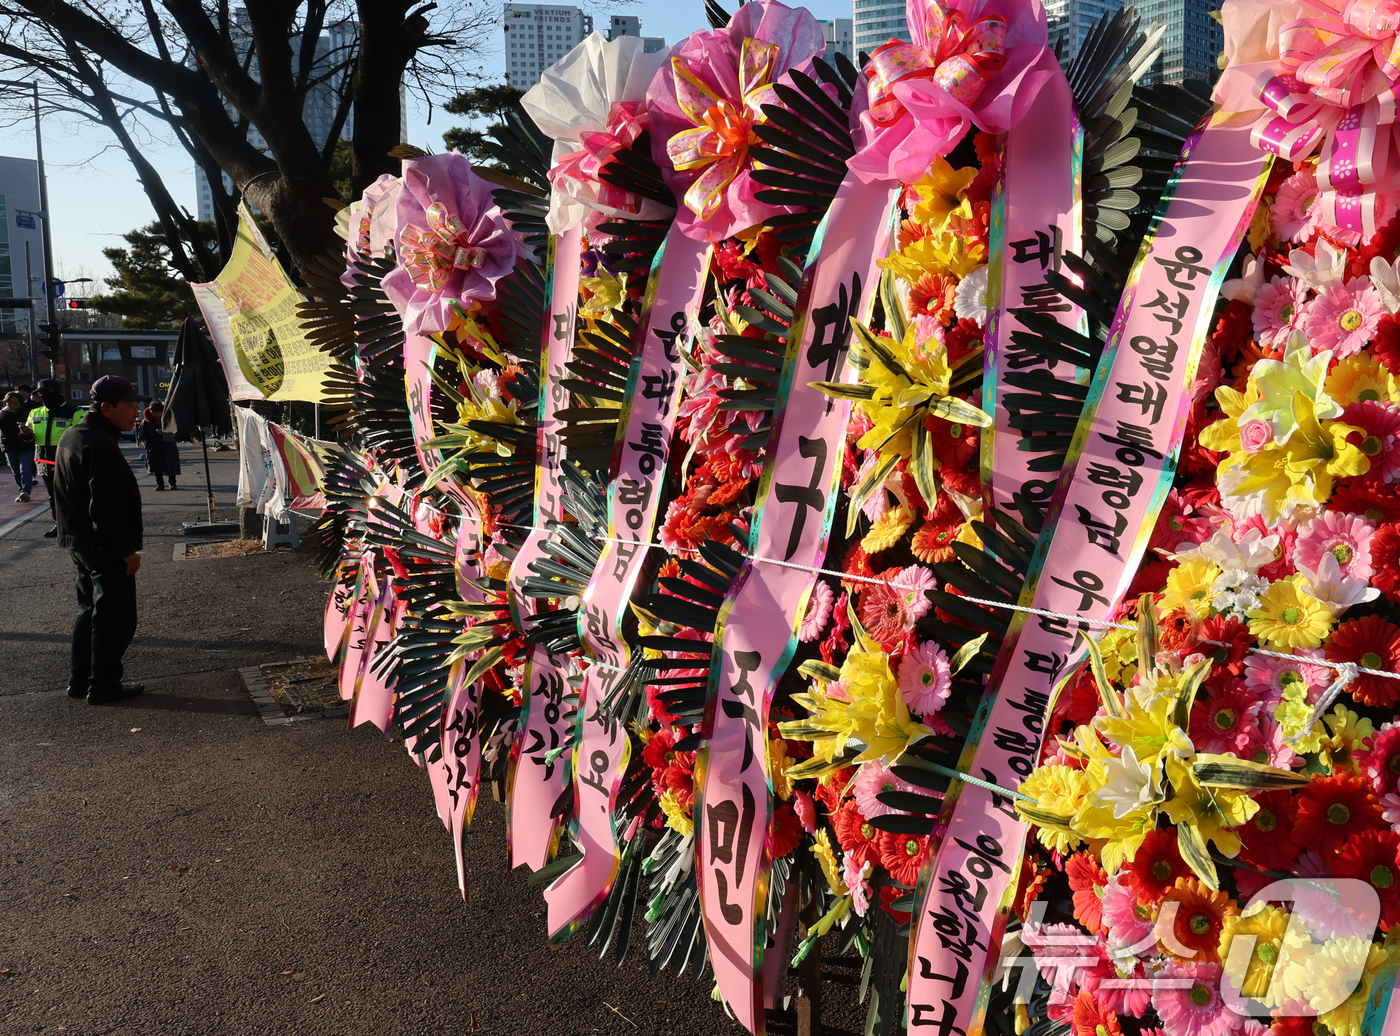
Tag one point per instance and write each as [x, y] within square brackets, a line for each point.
[922, 466]
[1197, 856]
[840, 390]
[1191, 682]
[960, 411]
[1110, 698]
[874, 478]
[1225, 771]
[1148, 635]
[1042, 817]
[816, 669]
[894, 309]
[967, 652]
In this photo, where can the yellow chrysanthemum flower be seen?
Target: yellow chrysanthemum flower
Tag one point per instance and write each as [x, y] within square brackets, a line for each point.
[1293, 713]
[1120, 657]
[677, 816]
[1189, 586]
[1334, 968]
[821, 849]
[887, 530]
[778, 763]
[1252, 973]
[1288, 618]
[1057, 789]
[1360, 378]
[1349, 733]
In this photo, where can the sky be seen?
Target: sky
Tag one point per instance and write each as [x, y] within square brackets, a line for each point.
[95, 197]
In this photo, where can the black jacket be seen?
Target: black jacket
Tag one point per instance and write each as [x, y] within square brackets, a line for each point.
[96, 498]
[10, 422]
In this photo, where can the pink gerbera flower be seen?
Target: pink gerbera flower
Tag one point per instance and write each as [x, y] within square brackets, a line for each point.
[1381, 761]
[818, 613]
[1128, 921]
[925, 678]
[1344, 317]
[871, 780]
[1279, 308]
[883, 613]
[1187, 999]
[913, 581]
[1270, 677]
[1380, 437]
[1347, 537]
[1226, 719]
[1294, 208]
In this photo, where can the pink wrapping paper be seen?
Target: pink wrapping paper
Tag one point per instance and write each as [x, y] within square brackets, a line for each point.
[535, 784]
[1120, 470]
[641, 456]
[758, 622]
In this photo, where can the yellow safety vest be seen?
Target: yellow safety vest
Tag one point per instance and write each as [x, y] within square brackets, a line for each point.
[48, 429]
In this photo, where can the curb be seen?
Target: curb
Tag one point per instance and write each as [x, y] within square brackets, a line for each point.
[269, 708]
[14, 524]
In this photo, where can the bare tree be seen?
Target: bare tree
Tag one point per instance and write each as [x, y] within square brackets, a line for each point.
[230, 85]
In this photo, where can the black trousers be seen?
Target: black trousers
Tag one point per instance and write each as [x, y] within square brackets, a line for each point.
[103, 630]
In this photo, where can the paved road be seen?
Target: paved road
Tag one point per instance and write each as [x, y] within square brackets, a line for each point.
[173, 866]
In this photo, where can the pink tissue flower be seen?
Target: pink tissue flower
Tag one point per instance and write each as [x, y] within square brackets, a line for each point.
[705, 102]
[453, 243]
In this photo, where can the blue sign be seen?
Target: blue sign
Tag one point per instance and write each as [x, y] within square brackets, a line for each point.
[58, 287]
[26, 222]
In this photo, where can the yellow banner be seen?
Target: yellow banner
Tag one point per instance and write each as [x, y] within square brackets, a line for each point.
[258, 332]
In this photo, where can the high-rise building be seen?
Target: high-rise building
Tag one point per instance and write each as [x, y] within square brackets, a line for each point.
[839, 33]
[332, 49]
[877, 22]
[630, 25]
[1070, 22]
[538, 36]
[1191, 44]
[21, 240]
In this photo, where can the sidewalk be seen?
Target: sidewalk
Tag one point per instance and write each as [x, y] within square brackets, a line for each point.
[173, 865]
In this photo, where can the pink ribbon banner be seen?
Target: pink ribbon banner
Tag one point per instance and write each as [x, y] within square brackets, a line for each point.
[338, 605]
[640, 459]
[461, 759]
[757, 629]
[1120, 468]
[1035, 219]
[536, 781]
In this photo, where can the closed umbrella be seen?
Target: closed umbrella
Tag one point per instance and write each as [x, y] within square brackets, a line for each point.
[198, 399]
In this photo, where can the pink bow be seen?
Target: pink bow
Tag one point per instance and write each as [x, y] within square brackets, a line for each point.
[957, 56]
[1335, 85]
[626, 122]
[430, 256]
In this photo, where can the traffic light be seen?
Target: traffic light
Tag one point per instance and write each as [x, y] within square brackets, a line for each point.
[48, 334]
[77, 303]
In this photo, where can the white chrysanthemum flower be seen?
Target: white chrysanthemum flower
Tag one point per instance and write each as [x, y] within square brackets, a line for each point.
[970, 302]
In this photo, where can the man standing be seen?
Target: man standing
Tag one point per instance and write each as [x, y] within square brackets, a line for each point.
[49, 420]
[17, 439]
[98, 509]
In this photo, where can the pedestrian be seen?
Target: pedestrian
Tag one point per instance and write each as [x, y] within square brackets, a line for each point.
[98, 504]
[162, 452]
[17, 439]
[27, 401]
[49, 421]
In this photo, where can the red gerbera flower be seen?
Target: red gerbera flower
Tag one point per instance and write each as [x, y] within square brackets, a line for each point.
[1376, 500]
[960, 480]
[786, 830]
[1266, 837]
[857, 837]
[902, 855]
[1374, 857]
[1331, 809]
[1233, 331]
[1374, 643]
[1155, 867]
[1225, 641]
[1087, 880]
[1092, 1019]
[933, 294]
[1385, 559]
[830, 791]
[962, 338]
[954, 444]
[1381, 762]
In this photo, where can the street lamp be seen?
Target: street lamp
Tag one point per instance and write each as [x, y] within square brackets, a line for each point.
[53, 333]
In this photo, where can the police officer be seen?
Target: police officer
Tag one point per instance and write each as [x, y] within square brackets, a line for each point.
[98, 508]
[49, 420]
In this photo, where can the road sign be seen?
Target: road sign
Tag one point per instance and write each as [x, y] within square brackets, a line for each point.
[58, 287]
[26, 222]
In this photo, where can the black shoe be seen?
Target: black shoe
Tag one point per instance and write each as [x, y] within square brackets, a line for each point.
[52, 533]
[173, 485]
[161, 489]
[74, 692]
[126, 690]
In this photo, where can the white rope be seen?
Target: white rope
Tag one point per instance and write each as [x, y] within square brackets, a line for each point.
[1347, 672]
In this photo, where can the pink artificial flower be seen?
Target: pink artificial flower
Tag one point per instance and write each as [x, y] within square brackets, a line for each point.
[1227, 720]
[1187, 999]
[818, 612]
[968, 63]
[883, 614]
[1062, 953]
[1295, 207]
[925, 678]
[1347, 537]
[1380, 437]
[1277, 750]
[1282, 565]
[1381, 761]
[1128, 921]
[705, 102]
[1279, 309]
[1345, 317]
[872, 779]
[913, 581]
[1269, 677]
[854, 875]
[1255, 435]
[453, 243]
